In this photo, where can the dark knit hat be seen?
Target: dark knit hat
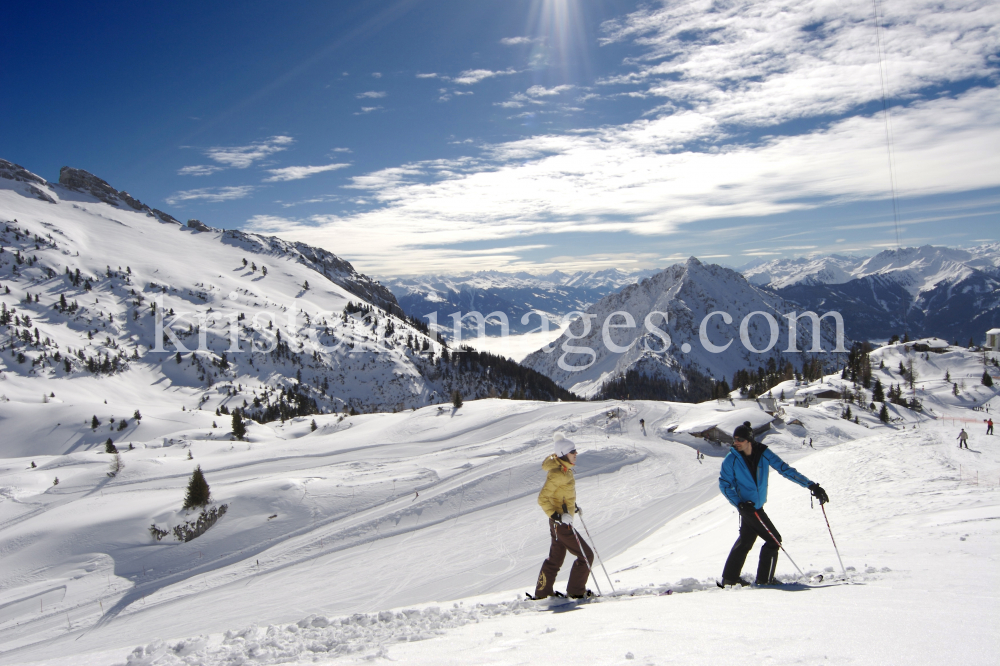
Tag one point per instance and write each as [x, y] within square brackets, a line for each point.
[743, 432]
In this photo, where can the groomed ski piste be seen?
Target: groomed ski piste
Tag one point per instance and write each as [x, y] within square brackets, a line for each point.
[413, 537]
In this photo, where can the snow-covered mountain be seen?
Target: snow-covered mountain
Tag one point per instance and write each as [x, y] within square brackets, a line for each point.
[94, 283]
[514, 294]
[777, 273]
[688, 293]
[923, 291]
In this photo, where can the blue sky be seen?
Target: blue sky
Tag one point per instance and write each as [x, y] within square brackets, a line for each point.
[418, 137]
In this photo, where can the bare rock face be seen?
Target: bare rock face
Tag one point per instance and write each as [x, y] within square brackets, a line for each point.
[18, 173]
[198, 225]
[87, 183]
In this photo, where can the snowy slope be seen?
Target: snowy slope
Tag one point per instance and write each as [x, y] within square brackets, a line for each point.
[258, 318]
[412, 537]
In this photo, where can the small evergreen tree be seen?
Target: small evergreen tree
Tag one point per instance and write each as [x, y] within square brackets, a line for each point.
[313, 426]
[109, 446]
[94, 422]
[239, 429]
[137, 416]
[883, 414]
[987, 380]
[456, 398]
[198, 492]
[878, 393]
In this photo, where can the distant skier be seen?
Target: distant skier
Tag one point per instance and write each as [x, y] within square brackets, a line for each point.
[743, 480]
[989, 426]
[558, 500]
[963, 439]
[811, 443]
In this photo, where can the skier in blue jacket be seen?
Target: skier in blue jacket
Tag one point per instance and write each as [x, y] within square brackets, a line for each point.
[743, 480]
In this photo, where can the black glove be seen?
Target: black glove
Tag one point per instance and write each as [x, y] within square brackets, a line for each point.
[557, 516]
[579, 510]
[746, 508]
[819, 493]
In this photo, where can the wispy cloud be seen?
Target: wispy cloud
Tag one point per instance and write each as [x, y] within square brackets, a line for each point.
[429, 75]
[367, 109]
[300, 172]
[371, 94]
[240, 157]
[198, 170]
[515, 41]
[471, 76]
[377, 75]
[542, 91]
[210, 194]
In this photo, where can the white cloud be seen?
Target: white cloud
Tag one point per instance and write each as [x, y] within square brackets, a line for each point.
[542, 91]
[341, 150]
[367, 109]
[766, 63]
[199, 170]
[299, 172]
[641, 178]
[371, 94]
[430, 75]
[515, 41]
[240, 157]
[210, 194]
[377, 75]
[471, 76]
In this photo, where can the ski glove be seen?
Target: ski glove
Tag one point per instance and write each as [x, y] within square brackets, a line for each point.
[556, 516]
[819, 493]
[567, 519]
[579, 510]
[746, 508]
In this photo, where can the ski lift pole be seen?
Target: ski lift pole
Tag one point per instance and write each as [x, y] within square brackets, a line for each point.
[599, 560]
[837, 550]
[779, 543]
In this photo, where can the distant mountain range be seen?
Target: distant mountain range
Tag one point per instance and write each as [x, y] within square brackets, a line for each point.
[515, 294]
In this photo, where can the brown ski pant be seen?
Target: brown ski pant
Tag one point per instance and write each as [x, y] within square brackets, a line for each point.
[564, 538]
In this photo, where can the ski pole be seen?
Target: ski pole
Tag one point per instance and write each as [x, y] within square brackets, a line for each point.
[837, 550]
[779, 544]
[582, 522]
[590, 569]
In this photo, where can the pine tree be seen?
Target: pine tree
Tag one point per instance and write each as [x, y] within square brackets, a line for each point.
[198, 492]
[987, 380]
[109, 446]
[313, 426]
[878, 393]
[456, 398]
[239, 429]
[94, 422]
[883, 414]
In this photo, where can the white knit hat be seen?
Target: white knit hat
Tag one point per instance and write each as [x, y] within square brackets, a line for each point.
[562, 445]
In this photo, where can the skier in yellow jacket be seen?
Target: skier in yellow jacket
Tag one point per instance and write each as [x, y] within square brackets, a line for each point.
[558, 500]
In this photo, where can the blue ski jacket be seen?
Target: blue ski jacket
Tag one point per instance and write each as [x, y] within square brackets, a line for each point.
[738, 484]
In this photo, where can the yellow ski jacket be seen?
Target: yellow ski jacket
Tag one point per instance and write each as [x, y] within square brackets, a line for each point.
[559, 488]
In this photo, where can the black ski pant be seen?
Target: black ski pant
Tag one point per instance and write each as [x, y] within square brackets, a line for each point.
[750, 529]
[565, 538]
